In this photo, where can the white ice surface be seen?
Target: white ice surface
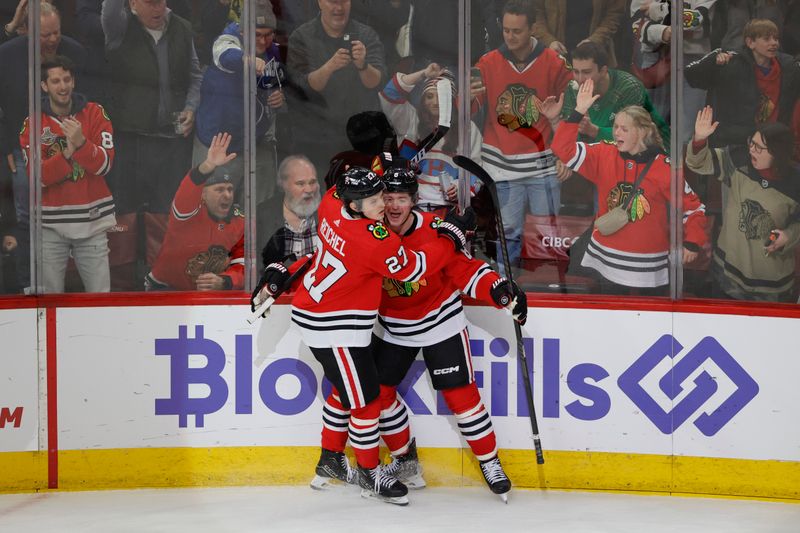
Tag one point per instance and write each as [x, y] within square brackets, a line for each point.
[245, 509]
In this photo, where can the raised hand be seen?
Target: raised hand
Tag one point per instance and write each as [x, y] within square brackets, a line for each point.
[586, 97]
[433, 70]
[704, 125]
[551, 107]
[218, 152]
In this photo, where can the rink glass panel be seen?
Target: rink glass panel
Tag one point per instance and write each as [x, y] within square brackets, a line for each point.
[543, 265]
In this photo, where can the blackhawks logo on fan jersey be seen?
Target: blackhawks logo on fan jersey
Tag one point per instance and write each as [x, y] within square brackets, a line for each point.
[215, 260]
[54, 145]
[618, 196]
[517, 107]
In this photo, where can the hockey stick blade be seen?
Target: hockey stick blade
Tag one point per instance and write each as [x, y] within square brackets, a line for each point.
[473, 168]
[260, 310]
[429, 143]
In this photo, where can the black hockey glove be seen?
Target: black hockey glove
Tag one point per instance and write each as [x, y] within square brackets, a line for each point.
[457, 227]
[272, 280]
[508, 294]
[466, 222]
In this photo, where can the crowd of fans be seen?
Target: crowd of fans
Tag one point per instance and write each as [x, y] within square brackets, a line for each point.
[143, 136]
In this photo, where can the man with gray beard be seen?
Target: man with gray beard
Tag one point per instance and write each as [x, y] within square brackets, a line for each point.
[296, 228]
[297, 177]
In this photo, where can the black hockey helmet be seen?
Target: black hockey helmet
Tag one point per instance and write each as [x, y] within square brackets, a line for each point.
[401, 179]
[358, 183]
[371, 132]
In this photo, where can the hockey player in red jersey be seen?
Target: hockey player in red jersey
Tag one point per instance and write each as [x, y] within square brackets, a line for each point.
[336, 307]
[428, 315]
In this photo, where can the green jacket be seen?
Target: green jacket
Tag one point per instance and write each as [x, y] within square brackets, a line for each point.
[624, 89]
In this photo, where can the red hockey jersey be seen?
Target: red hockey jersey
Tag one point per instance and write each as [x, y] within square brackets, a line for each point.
[195, 243]
[429, 310]
[76, 201]
[516, 136]
[638, 254]
[337, 304]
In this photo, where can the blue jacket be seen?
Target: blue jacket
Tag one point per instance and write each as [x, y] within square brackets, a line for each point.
[222, 91]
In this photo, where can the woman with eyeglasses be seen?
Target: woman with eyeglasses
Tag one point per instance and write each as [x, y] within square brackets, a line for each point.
[754, 256]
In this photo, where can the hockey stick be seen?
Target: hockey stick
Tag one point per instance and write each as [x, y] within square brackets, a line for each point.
[264, 306]
[478, 171]
[444, 91]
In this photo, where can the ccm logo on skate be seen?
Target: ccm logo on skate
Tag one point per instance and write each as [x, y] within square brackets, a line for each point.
[8, 417]
[443, 371]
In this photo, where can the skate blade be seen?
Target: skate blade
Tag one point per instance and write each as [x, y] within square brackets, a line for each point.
[370, 495]
[328, 483]
[504, 497]
[415, 482]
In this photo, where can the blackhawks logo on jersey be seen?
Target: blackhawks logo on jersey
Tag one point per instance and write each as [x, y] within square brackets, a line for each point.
[378, 231]
[435, 222]
[618, 196]
[54, 145]
[754, 221]
[215, 260]
[517, 107]
[396, 288]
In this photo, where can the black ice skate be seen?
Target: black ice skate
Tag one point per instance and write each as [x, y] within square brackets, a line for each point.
[333, 469]
[377, 484]
[406, 468]
[496, 478]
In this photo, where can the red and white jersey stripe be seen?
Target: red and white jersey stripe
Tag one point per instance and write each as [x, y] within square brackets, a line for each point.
[428, 311]
[337, 304]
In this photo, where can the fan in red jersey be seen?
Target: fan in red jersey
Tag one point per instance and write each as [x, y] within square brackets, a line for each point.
[336, 307]
[427, 314]
[204, 226]
[632, 176]
[77, 208]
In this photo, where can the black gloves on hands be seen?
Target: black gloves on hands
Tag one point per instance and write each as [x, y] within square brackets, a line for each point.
[508, 294]
[457, 227]
[271, 282]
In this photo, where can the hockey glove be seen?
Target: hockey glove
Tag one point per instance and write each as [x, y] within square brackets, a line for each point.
[508, 294]
[458, 227]
[272, 280]
[466, 222]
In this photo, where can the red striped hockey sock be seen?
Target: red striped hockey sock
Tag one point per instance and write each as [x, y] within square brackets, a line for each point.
[393, 424]
[474, 421]
[364, 436]
[335, 421]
